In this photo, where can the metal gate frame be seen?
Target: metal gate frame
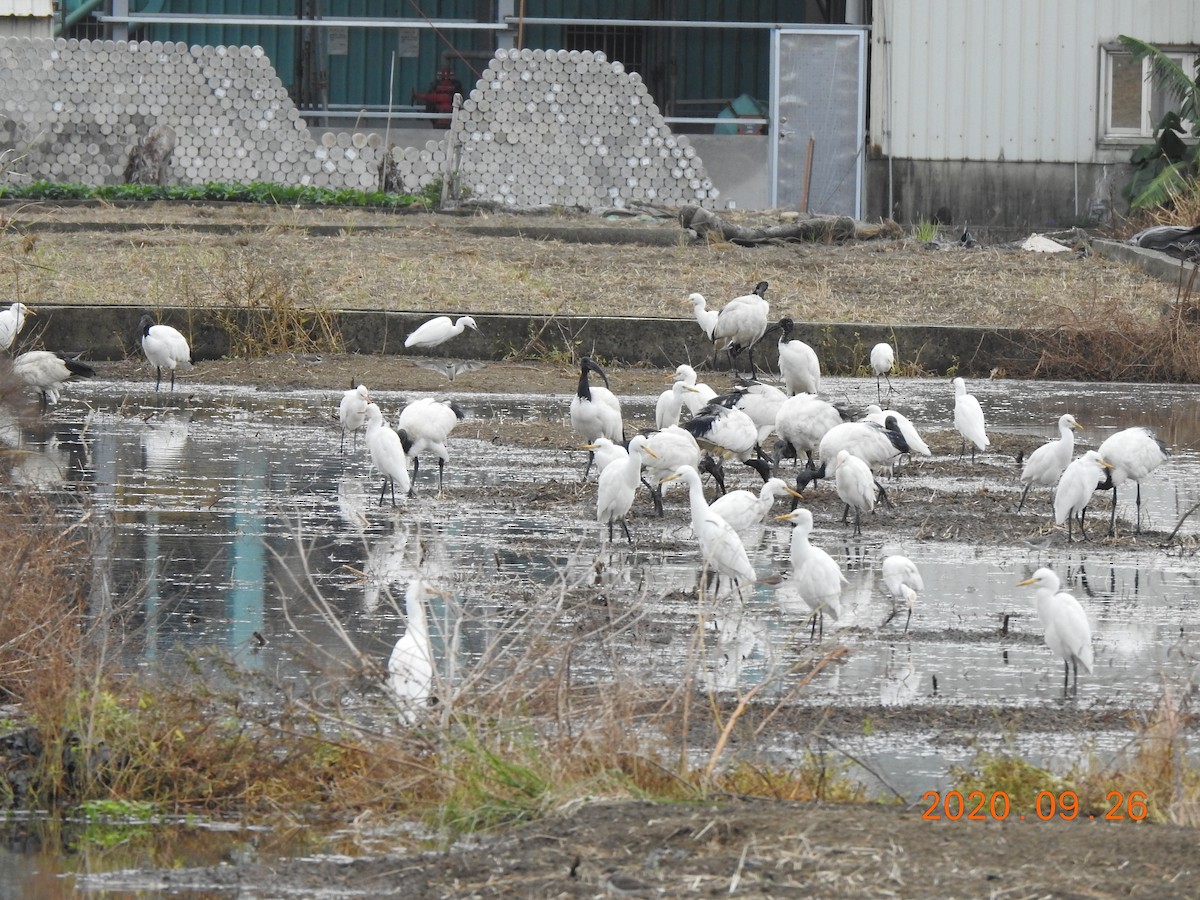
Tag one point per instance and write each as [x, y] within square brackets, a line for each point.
[778, 131]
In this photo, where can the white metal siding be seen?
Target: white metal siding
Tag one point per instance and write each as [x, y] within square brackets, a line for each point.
[1012, 80]
[26, 8]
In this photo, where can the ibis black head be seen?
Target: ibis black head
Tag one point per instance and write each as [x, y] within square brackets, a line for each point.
[760, 288]
[145, 324]
[786, 325]
[587, 364]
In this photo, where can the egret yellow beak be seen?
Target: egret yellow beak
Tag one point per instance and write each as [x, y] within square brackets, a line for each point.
[795, 493]
[1106, 465]
[785, 517]
[650, 452]
[1025, 583]
[668, 478]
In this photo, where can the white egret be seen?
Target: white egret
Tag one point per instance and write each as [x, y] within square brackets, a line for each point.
[720, 546]
[439, 330]
[968, 419]
[670, 404]
[883, 358]
[595, 411]
[673, 449]
[728, 434]
[798, 362]
[410, 666]
[1046, 463]
[816, 577]
[12, 320]
[705, 317]
[352, 412]
[743, 321]
[606, 452]
[903, 580]
[855, 485]
[1075, 487]
[387, 453]
[424, 427]
[1065, 624]
[916, 444]
[746, 510]
[47, 372]
[801, 422]
[700, 398]
[1133, 454]
[617, 485]
[165, 348]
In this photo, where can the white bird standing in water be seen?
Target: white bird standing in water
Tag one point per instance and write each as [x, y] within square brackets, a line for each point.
[165, 348]
[1046, 463]
[410, 667]
[916, 444]
[387, 453]
[883, 357]
[706, 318]
[12, 320]
[617, 485]
[352, 412]
[968, 419]
[798, 362]
[1075, 488]
[903, 580]
[743, 321]
[855, 486]
[816, 577]
[673, 449]
[606, 452]
[1067, 632]
[801, 422]
[720, 546]
[439, 330]
[47, 372]
[1133, 454]
[424, 427]
[670, 404]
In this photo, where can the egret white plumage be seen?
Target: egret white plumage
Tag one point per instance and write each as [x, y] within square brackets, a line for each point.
[352, 412]
[746, 510]
[438, 330]
[903, 580]
[47, 372]
[883, 358]
[758, 400]
[1046, 463]
[617, 485]
[855, 486]
[1067, 631]
[410, 666]
[968, 419]
[1075, 487]
[165, 348]
[706, 318]
[670, 404]
[742, 322]
[816, 578]
[606, 452]
[800, 423]
[674, 448]
[703, 394]
[916, 444]
[12, 320]
[798, 362]
[595, 410]
[1133, 453]
[720, 546]
[424, 427]
[387, 453]
[727, 434]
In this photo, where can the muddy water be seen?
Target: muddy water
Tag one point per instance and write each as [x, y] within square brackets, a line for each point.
[230, 517]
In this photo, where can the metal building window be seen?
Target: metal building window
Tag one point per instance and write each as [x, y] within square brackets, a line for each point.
[622, 43]
[1135, 101]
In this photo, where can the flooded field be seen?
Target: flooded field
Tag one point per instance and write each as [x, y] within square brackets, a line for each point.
[232, 527]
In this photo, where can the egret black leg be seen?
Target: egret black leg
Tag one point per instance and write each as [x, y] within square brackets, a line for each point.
[1023, 493]
[1112, 517]
[625, 528]
[1138, 527]
[441, 473]
[157, 377]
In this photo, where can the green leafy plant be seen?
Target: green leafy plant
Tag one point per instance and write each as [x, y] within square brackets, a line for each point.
[1164, 169]
[926, 231]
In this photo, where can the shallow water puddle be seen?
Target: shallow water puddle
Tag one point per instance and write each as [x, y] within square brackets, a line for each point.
[228, 516]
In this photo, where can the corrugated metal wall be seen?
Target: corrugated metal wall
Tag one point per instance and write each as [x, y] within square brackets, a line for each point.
[1017, 80]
